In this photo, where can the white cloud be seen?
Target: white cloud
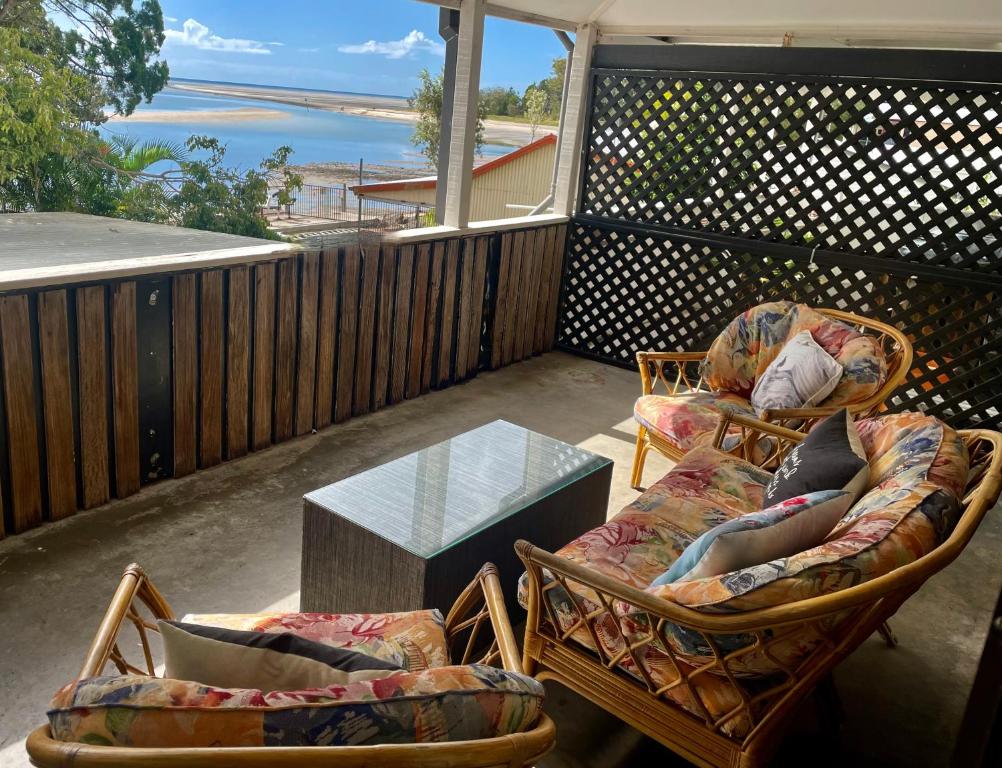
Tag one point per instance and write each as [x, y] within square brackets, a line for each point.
[197, 35]
[170, 19]
[412, 42]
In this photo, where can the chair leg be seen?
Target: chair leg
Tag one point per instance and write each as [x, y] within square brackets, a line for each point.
[887, 633]
[639, 457]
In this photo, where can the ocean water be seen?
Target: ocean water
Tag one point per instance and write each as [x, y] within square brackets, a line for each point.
[316, 136]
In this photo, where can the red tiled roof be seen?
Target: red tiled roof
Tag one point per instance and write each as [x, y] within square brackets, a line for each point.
[430, 182]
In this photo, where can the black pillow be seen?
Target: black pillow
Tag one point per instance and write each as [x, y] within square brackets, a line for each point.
[830, 458]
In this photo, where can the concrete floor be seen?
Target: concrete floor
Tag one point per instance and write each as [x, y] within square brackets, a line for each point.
[228, 539]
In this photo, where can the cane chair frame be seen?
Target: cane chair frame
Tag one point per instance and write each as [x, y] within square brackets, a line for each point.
[679, 372]
[842, 620]
[479, 610]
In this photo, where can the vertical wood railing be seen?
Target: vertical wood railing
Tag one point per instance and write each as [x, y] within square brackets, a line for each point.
[112, 385]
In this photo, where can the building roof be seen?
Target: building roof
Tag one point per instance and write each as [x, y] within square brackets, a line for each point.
[430, 182]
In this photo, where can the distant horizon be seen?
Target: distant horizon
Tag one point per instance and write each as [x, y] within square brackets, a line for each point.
[284, 87]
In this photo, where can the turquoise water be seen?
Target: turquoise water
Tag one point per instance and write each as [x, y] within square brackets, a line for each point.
[315, 136]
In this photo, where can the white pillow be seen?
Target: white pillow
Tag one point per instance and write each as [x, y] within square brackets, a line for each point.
[802, 375]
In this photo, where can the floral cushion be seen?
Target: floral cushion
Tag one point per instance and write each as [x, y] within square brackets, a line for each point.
[704, 489]
[687, 419]
[746, 347]
[441, 704]
[414, 640]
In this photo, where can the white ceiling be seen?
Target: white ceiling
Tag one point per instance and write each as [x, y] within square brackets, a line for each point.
[975, 24]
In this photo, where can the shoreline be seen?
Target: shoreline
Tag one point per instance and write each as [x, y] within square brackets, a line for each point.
[376, 107]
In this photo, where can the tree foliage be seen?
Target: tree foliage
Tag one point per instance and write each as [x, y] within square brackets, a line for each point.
[112, 46]
[427, 101]
[535, 109]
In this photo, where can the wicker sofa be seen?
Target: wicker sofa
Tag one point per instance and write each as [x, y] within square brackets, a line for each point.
[713, 668]
[476, 635]
[684, 392]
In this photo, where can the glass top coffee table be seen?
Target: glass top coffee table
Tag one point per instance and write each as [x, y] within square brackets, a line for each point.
[411, 533]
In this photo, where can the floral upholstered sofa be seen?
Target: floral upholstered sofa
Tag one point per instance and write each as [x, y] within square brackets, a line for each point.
[715, 663]
[874, 358]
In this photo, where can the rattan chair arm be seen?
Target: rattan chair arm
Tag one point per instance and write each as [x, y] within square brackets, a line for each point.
[728, 417]
[486, 589]
[645, 359]
[670, 357]
[134, 585]
[513, 750]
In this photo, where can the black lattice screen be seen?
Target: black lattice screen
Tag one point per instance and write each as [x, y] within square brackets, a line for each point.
[703, 194]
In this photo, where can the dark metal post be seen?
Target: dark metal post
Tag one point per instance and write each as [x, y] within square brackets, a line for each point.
[448, 28]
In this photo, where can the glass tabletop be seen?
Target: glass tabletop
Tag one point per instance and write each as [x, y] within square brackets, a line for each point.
[430, 500]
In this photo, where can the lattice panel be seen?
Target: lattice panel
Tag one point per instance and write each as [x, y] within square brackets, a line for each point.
[910, 172]
[626, 292]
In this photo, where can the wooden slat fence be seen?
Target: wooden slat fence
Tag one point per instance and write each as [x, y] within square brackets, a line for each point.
[257, 353]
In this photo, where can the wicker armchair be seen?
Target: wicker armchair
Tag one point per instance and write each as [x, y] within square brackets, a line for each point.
[681, 372]
[136, 606]
[840, 621]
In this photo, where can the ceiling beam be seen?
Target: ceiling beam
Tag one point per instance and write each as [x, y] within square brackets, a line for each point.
[499, 11]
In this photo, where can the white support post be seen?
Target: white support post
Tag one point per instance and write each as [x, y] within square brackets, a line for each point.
[462, 142]
[573, 127]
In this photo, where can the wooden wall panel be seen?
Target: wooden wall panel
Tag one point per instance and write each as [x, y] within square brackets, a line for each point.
[238, 340]
[465, 318]
[347, 334]
[185, 364]
[57, 403]
[384, 326]
[432, 313]
[125, 388]
[515, 280]
[306, 365]
[478, 297]
[327, 337]
[92, 378]
[419, 320]
[553, 300]
[211, 368]
[529, 291]
[285, 348]
[263, 373]
[545, 241]
[447, 324]
[401, 323]
[22, 425]
[362, 401]
[501, 300]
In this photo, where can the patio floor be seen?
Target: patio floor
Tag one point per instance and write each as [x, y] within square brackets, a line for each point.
[228, 539]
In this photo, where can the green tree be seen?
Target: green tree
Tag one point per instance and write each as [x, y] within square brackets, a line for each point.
[501, 101]
[427, 101]
[535, 109]
[113, 45]
[552, 87]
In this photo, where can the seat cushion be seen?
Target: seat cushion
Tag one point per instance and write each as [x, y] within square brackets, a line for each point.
[752, 340]
[435, 705]
[413, 641]
[689, 419]
[704, 489]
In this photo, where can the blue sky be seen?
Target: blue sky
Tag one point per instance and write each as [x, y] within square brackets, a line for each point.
[368, 46]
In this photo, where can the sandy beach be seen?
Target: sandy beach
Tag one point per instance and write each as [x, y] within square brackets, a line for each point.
[200, 115]
[379, 107]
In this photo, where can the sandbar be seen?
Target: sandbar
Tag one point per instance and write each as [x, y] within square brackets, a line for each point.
[239, 114]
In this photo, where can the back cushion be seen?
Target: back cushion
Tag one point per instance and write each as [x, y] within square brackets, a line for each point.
[441, 704]
[909, 447]
[744, 349]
